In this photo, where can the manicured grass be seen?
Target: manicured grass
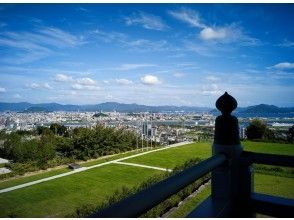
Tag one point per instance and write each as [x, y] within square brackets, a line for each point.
[112, 157]
[61, 197]
[45, 174]
[191, 204]
[26, 179]
[270, 148]
[175, 156]
[274, 185]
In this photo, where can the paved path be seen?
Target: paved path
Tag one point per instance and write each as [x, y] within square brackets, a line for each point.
[91, 167]
[145, 166]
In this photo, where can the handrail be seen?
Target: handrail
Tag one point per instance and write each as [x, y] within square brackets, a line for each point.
[269, 159]
[153, 195]
[272, 205]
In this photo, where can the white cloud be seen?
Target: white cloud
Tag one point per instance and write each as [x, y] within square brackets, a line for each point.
[37, 44]
[124, 81]
[86, 81]
[211, 90]
[228, 34]
[77, 86]
[150, 80]
[286, 43]
[188, 16]
[39, 86]
[56, 37]
[133, 66]
[211, 34]
[148, 21]
[282, 66]
[178, 75]
[63, 78]
[147, 45]
[2, 90]
[109, 36]
[225, 34]
[212, 78]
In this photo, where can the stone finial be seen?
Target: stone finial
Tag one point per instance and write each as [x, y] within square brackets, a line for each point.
[226, 104]
[226, 126]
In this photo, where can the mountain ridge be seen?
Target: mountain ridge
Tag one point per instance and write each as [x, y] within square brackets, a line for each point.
[261, 109]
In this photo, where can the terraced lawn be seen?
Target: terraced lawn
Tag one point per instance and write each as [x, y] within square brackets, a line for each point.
[174, 156]
[61, 197]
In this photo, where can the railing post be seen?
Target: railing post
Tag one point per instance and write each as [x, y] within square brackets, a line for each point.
[225, 181]
[244, 205]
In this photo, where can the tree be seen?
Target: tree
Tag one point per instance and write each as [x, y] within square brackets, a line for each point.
[43, 130]
[256, 129]
[58, 129]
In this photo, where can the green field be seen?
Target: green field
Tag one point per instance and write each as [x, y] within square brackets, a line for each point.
[25, 179]
[61, 197]
[174, 156]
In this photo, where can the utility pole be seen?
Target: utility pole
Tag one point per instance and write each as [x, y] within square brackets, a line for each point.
[151, 132]
[137, 141]
[142, 142]
[147, 141]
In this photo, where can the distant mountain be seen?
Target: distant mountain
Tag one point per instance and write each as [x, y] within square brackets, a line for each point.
[261, 110]
[107, 106]
[35, 109]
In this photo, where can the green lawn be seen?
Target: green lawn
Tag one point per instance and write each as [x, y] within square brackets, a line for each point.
[25, 179]
[174, 156]
[61, 197]
[270, 148]
[274, 185]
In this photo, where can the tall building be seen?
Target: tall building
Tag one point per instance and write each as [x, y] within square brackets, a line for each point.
[147, 129]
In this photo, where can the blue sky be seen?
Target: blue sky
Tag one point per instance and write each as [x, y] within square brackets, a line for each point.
[153, 54]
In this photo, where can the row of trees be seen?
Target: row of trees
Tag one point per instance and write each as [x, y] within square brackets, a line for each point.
[53, 146]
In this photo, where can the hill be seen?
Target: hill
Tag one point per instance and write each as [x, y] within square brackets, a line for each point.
[262, 110]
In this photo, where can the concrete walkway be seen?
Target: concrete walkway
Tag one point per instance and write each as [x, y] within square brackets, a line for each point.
[91, 167]
[145, 166]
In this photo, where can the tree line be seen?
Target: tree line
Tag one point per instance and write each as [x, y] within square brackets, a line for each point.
[47, 147]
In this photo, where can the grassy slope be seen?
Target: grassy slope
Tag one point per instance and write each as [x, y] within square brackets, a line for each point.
[60, 197]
